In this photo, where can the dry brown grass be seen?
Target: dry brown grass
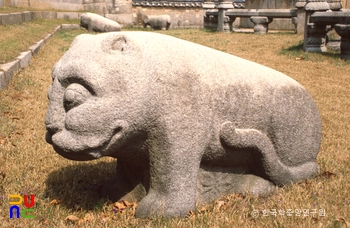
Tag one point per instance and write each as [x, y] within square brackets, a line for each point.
[13, 9]
[17, 38]
[63, 187]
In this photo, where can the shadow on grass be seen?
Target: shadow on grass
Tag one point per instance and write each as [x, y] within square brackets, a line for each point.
[77, 187]
[297, 50]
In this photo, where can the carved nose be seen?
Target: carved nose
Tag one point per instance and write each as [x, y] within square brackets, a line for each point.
[52, 129]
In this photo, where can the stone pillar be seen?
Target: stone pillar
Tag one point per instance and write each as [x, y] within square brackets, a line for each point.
[334, 5]
[344, 32]
[295, 23]
[261, 24]
[315, 35]
[229, 22]
[300, 21]
[209, 21]
[223, 20]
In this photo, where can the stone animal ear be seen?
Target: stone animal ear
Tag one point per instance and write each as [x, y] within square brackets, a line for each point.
[117, 43]
[120, 44]
[145, 19]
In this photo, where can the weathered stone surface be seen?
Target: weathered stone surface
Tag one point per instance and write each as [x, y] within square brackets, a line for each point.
[2, 80]
[344, 32]
[26, 16]
[300, 3]
[44, 15]
[36, 47]
[68, 15]
[48, 15]
[301, 20]
[9, 70]
[315, 38]
[15, 18]
[261, 24]
[24, 59]
[157, 22]
[180, 17]
[70, 26]
[334, 5]
[2, 19]
[47, 37]
[58, 28]
[124, 19]
[97, 23]
[316, 5]
[187, 123]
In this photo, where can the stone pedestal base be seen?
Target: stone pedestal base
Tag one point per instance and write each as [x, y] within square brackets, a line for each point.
[315, 39]
[344, 32]
[261, 24]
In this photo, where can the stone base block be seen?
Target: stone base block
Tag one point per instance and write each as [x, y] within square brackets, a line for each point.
[24, 59]
[2, 16]
[36, 47]
[26, 16]
[58, 28]
[2, 79]
[44, 15]
[70, 26]
[47, 37]
[15, 18]
[9, 69]
[67, 6]
[68, 15]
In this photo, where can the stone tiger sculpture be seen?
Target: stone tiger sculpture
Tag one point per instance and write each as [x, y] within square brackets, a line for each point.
[187, 123]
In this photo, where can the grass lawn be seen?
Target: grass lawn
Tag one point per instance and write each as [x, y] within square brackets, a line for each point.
[66, 192]
[15, 39]
[13, 9]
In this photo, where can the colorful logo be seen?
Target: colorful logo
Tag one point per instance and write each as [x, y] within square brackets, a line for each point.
[24, 211]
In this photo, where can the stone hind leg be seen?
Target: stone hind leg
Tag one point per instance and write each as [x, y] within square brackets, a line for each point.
[279, 173]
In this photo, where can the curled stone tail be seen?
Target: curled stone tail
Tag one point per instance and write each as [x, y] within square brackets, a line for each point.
[277, 172]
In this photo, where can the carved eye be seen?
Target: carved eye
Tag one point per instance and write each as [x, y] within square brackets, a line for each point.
[74, 95]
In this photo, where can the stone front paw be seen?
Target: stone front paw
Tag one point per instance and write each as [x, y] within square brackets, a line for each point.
[159, 205]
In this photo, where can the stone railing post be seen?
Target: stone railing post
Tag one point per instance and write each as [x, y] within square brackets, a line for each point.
[223, 20]
[300, 21]
[209, 21]
[261, 24]
[315, 35]
[344, 32]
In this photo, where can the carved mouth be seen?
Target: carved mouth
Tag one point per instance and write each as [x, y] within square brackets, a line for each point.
[77, 147]
[85, 147]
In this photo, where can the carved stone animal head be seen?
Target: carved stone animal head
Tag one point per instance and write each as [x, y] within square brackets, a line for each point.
[91, 102]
